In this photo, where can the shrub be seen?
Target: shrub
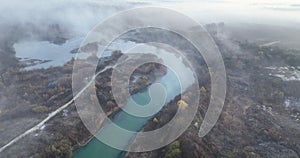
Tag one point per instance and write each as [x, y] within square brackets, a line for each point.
[274, 133]
[59, 149]
[182, 104]
[202, 91]
[173, 150]
[174, 145]
[155, 120]
[176, 153]
[110, 103]
[116, 53]
[40, 109]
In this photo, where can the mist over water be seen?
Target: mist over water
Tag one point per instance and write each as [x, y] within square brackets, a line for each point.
[57, 21]
[41, 19]
[53, 20]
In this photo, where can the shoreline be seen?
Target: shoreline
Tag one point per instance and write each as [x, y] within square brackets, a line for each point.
[109, 114]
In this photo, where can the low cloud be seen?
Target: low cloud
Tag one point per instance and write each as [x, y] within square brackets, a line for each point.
[47, 19]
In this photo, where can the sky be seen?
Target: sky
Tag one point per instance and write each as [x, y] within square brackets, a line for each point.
[278, 12]
[79, 16]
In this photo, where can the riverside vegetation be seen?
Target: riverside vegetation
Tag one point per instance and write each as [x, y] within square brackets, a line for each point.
[255, 122]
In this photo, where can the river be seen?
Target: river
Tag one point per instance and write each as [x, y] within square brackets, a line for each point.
[57, 55]
[172, 86]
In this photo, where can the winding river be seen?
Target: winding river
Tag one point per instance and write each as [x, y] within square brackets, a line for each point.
[170, 82]
[172, 86]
